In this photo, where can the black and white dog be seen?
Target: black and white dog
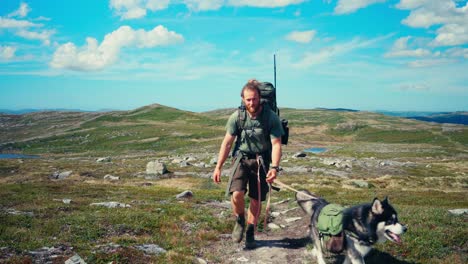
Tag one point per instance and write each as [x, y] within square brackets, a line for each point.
[363, 226]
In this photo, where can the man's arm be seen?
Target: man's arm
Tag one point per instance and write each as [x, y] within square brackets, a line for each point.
[275, 158]
[223, 154]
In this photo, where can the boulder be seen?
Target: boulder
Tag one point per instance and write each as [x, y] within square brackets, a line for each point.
[111, 177]
[185, 194]
[156, 167]
[104, 159]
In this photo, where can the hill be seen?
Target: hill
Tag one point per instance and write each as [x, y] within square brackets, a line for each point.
[51, 207]
[453, 118]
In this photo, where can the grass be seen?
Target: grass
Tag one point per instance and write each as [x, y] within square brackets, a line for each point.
[422, 192]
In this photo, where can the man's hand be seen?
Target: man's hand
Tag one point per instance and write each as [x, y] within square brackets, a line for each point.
[271, 176]
[217, 175]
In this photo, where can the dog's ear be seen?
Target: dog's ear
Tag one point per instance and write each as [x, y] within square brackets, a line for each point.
[305, 201]
[377, 206]
[386, 201]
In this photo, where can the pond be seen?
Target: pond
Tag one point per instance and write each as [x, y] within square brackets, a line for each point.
[17, 156]
[315, 150]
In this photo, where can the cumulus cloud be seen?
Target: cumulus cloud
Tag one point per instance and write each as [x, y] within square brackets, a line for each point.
[132, 9]
[351, 6]
[301, 36]
[94, 56]
[400, 49]
[7, 52]
[453, 20]
[22, 11]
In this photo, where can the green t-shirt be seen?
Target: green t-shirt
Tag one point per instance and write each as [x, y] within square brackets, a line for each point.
[253, 139]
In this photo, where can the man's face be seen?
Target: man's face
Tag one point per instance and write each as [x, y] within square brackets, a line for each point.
[251, 101]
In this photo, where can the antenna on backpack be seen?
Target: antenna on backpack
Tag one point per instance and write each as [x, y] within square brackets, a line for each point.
[274, 68]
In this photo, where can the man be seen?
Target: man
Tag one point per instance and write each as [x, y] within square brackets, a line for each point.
[257, 146]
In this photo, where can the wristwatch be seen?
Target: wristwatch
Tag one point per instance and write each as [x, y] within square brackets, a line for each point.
[276, 168]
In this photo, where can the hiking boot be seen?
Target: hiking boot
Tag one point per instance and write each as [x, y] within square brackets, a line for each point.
[250, 237]
[239, 227]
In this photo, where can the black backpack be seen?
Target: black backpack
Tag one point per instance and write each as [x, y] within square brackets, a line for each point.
[268, 99]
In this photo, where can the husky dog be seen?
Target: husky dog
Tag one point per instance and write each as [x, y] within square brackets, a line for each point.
[363, 226]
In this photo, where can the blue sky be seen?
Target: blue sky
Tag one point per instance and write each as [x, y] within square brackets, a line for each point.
[401, 55]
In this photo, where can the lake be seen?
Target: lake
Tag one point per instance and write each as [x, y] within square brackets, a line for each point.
[315, 150]
[17, 156]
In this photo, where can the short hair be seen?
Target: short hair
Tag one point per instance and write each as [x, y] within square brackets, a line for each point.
[251, 85]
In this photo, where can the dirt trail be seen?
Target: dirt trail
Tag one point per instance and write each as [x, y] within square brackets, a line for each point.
[287, 244]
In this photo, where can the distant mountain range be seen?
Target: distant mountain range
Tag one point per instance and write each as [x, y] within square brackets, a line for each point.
[437, 117]
[460, 117]
[32, 110]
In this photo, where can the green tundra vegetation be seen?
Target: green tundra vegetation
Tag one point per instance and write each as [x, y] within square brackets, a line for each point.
[429, 178]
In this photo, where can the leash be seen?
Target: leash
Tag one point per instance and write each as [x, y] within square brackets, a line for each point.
[294, 190]
[259, 189]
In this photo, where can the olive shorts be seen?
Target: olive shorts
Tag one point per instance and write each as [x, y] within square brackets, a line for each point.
[246, 174]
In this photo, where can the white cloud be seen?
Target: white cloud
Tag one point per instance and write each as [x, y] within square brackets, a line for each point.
[132, 9]
[7, 52]
[458, 52]
[264, 3]
[203, 5]
[428, 63]
[155, 5]
[313, 58]
[14, 23]
[44, 36]
[350, 6]
[411, 4]
[451, 35]
[400, 49]
[301, 36]
[453, 20]
[22, 11]
[93, 57]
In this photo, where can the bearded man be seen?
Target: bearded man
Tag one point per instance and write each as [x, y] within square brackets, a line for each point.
[258, 159]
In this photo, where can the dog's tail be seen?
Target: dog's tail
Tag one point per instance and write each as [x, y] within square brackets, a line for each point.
[306, 201]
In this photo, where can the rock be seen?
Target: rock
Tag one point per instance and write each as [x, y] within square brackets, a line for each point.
[66, 201]
[76, 259]
[184, 163]
[330, 162]
[300, 155]
[361, 183]
[156, 167]
[200, 165]
[201, 261]
[110, 204]
[60, 175]
[275, 214]
[111, 177]
[185, 194]
[214, 160]
[273, 226]
[105, 159]
[292, 219]
[16, 212]
[151, 249]
[458, 211]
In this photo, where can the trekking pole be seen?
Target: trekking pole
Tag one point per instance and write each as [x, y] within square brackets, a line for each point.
[274, 68]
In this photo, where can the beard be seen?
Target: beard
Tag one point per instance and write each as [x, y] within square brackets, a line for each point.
[253, 109]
